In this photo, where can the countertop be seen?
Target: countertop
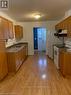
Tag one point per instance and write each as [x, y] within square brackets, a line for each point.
[59, 45]
[68, 51]
[16, 47]
[63, 48]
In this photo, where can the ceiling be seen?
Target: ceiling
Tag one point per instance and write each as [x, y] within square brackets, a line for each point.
[23, 10]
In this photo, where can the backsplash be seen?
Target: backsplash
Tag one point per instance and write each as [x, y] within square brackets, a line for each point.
[10, 42]
[68, 43]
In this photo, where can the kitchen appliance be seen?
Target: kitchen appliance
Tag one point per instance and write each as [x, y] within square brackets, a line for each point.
[56, 56]
[61, 33]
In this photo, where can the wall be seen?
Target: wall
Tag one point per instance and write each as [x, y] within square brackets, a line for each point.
[68, 13]
[7, 16]
[28, 35]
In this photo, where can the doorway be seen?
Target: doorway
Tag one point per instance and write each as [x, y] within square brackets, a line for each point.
[39, 35]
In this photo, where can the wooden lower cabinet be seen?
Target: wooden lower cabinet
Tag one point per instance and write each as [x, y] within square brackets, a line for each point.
[3, 60]
[65, 63]
[15, 59]
[3, 65]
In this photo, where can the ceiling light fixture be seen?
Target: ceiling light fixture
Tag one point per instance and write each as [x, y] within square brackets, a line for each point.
[37, 16]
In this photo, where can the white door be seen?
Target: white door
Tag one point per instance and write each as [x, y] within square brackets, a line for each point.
[41, 39]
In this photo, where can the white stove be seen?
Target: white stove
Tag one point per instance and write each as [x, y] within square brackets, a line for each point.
[56, 56]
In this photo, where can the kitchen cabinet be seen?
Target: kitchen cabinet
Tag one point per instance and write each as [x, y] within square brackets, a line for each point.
[65, 25]
[16, 56]
[65, 62]
[11, 34]
[60, 25]
[3, 57]
[3, 60]
[7, 28]
[1, 31]
[69, 26]
[4, 35]
[18, 32]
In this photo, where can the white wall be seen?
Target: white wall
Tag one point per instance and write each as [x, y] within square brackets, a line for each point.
[68, 13]
[7, 16]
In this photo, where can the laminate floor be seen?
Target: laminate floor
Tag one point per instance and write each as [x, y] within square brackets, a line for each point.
[37, 76]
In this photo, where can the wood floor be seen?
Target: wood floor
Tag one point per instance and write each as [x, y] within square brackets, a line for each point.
[37, 76]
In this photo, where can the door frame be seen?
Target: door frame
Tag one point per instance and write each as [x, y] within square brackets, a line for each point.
[33, 36]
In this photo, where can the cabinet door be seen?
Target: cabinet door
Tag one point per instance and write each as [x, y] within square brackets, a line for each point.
[67, 65]
[69, 26]
[21, 32]
[18, 32]
[11, 34]
[3, 60]
[57, 27]
[61, 61]
[5, 28]
[17, 60]
[26, 50]
[1, 32]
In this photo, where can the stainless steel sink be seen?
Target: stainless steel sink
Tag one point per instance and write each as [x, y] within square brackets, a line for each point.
[17, 45]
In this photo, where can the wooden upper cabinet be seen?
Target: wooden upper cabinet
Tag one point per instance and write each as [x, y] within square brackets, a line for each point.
[61, 25]
[1, 33]
[69, 26]
[18, 32]
[6, 28]
[11, 34]
[65, 24]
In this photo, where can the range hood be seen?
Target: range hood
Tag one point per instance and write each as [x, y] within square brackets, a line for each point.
[61, 33]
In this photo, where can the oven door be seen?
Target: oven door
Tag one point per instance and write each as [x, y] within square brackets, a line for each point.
[56, 57]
